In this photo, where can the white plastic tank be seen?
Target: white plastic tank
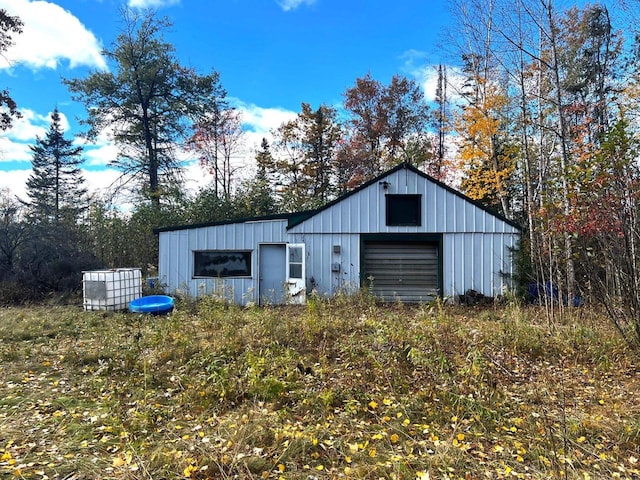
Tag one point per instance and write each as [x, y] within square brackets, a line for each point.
[111, 289]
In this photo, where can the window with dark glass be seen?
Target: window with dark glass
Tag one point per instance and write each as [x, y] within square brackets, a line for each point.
[404, 210]
[295, 262]
[221, 263]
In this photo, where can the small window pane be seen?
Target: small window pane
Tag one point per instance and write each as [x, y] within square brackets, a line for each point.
[220, 264]
[295, 270]
[403, 210]
[295, 254]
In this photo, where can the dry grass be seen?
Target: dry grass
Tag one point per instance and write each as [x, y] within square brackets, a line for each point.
[341, 389]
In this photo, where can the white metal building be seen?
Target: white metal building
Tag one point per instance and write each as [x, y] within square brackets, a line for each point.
[404, 235]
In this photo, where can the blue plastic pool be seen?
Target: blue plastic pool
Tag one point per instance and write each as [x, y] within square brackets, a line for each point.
[154, 304]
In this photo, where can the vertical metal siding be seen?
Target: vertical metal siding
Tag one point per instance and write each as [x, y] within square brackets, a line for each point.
[478, 262]
[470, 261]
[320, 258]
[176, 257]
[475, 242]
[443, 211]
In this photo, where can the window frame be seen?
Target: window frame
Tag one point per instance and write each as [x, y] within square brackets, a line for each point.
[390, 209]
[246, 254]
[298, 263]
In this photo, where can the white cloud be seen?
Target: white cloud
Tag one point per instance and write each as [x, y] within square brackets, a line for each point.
[427, 77]
[11, 151]
[14, 147]
[28, 126]
[50, 35]
[258, 123]
[100, 155]
[152, 3]
[416, 64]
[98, 182]
[101, 151]
[263, 120]
[15, 181]
[14, 144]
[288, 5]
[31, 125]
[195, 177]
[101, 181]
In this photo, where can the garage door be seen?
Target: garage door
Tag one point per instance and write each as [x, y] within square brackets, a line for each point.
[402, 271]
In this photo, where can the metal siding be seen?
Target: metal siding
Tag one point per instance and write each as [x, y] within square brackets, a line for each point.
[453, 263]
[477, 261]
[320, 257]
[442, 211]
[176, 257]
[476, 276]
[491, 259]
[474, 246]
[460, 211]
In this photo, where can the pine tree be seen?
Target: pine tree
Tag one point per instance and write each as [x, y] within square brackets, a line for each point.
[56, 185]
[148, 101]
[441, 119]
[260, 189]
[305, 158]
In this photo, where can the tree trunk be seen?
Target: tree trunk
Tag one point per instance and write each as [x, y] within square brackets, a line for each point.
[565, 154]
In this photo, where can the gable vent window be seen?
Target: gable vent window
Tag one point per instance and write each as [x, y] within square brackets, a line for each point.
[404, 210]
[221, 264]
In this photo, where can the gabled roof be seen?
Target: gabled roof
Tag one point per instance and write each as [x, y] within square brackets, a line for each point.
[306, 215]
[296, 218]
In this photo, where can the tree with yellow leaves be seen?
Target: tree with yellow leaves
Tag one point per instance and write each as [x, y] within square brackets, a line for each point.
[487, 159]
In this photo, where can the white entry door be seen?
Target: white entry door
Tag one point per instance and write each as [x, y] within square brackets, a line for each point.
[296, 284]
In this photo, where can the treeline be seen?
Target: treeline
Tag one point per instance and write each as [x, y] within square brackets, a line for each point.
[157, 112]
[547, 134]
[534, 116]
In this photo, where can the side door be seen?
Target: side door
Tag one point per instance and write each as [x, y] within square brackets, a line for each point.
[272, 270]
[296, 283]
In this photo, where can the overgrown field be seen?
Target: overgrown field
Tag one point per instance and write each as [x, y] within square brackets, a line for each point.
[340, 389]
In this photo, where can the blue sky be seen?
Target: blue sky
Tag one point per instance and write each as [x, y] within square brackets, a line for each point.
[272, 55]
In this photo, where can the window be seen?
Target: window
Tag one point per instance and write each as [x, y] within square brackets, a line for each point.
[295, 261]
[403, 210]
[221, 263]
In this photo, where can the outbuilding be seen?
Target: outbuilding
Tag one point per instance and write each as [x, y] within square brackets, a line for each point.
[404, 235]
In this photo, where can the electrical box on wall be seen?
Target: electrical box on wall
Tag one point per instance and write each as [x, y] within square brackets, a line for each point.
[335, 267]
[336, 249]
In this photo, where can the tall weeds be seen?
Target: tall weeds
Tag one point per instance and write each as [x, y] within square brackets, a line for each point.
[336, 388]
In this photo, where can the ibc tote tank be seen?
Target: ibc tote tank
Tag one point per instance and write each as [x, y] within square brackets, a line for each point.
[111, 289]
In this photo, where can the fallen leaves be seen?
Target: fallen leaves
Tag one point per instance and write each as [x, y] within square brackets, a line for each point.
[217, 394]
